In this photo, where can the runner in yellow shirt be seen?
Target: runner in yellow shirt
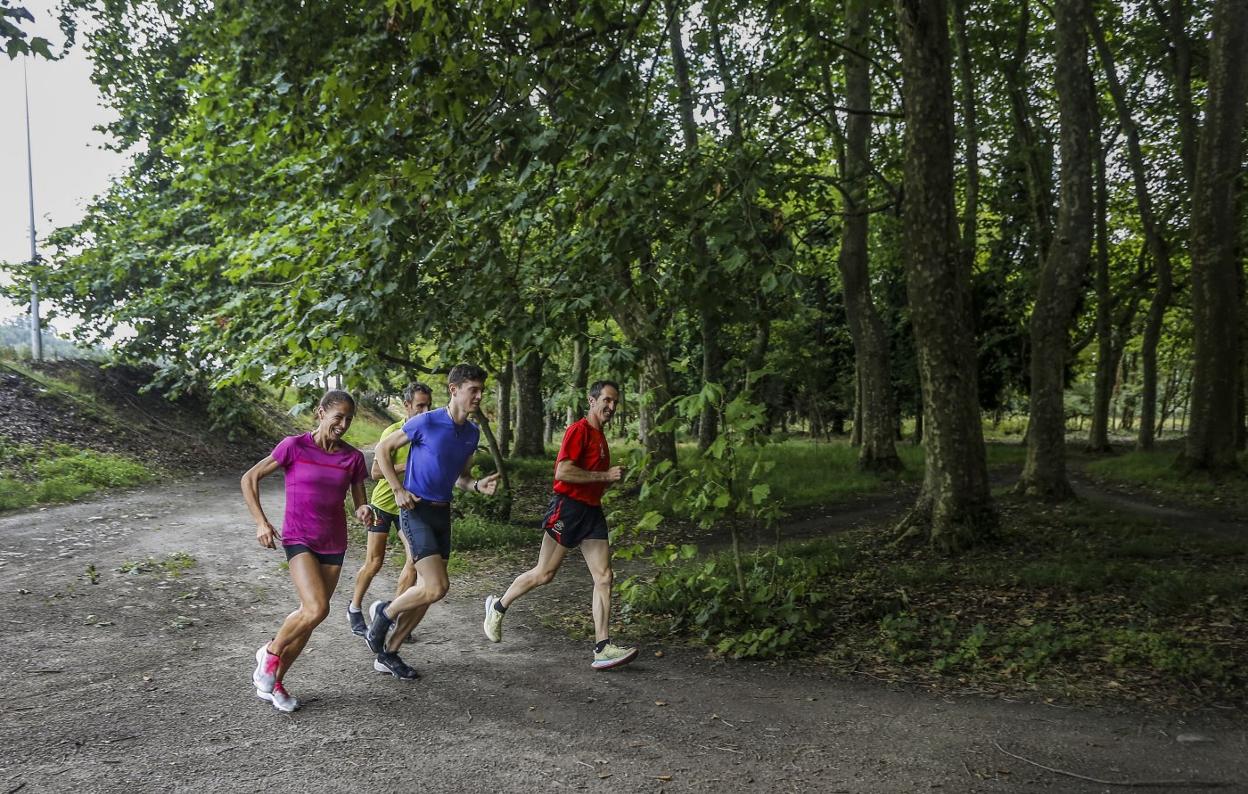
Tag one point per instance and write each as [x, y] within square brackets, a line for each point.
[417, 398]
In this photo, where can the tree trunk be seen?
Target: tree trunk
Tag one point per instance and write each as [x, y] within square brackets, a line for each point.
[504, 407]
[712, 372]
[580, 376]
[1106, 362]
[954, 509]
[643, 412]
[1155, 239]
[855, 437]
[970, 137]
[1061, 278]
[878, 451]
[708, 427]
[1180, 52]
[531, 413]
[1215, 288]
[506, 495]
[1035, 164]
[661, 444]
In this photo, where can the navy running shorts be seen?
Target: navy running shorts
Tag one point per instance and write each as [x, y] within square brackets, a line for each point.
[570, 522]
[384, 520]
[427, 528]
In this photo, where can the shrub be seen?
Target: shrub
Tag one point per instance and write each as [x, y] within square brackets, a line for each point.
[785, 608]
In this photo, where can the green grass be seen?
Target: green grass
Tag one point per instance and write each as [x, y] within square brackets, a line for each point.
[60, 473]
[1074, 601]
[472, 532]
[365, 429]
[1156, 471]
[62, 387]
[809, 473]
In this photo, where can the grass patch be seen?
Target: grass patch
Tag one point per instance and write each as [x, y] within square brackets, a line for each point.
[1075, 602]
[476, 532]
[60, 473]
[1156, 471]
[172, 565]
[365, 429]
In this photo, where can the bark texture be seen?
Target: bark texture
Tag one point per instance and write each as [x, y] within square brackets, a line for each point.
[1106, 361]
[504, 408]
[580, 376]
[531, 414]
[954, 508]
[1215, 294]
[712, 359]
[1155, 238]
[874, 405]
[1061, 277]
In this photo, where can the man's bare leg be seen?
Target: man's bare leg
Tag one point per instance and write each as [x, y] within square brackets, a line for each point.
[373, 558]
[431, 586]
[549, 558]
[597, 554]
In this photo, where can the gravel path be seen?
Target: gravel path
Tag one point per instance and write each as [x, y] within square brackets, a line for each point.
[140, 682]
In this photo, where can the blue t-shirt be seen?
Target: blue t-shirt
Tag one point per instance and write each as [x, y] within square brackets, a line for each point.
[440, 449]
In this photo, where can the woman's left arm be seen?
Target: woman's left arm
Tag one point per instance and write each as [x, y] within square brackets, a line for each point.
[360, 498]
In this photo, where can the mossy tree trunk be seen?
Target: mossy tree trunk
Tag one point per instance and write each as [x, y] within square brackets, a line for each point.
[531, 412]
[874, 390]
[954, 508]
[1061, 277]
[1215, 288]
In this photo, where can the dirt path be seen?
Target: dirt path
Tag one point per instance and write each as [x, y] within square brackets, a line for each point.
[141, 683]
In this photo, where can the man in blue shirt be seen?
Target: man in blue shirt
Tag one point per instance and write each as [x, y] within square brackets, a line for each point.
[442, 445]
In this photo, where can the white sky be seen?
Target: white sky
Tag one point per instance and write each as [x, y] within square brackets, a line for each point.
[70, 166]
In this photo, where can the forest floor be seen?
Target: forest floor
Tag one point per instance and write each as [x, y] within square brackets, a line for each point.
[131, 623]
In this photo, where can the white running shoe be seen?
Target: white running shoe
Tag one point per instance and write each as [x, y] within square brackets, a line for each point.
[279, 697]
[265, 674]
[493, 625]
[613, 656]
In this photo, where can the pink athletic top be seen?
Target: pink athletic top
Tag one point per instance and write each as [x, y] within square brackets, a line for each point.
[317, 483]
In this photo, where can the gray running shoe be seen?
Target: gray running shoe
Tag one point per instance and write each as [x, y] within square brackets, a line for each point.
[392, 664]
[358, 626]
[493, 625]
[379, 629]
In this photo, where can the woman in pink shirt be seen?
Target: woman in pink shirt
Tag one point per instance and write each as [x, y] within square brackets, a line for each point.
[320, 468]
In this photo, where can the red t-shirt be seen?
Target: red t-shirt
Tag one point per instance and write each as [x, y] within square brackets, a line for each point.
[587, 449]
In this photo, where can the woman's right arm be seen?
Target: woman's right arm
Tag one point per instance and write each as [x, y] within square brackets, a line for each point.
[265, 533]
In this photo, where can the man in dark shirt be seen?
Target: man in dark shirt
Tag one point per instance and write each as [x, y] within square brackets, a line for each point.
[583, 471]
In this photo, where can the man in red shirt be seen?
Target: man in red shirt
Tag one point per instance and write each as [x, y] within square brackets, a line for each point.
[583, 471]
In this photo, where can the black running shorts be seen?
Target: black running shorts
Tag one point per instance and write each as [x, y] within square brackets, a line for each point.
[427, 529]
[570, 522]
[324, 559]
[384, 520]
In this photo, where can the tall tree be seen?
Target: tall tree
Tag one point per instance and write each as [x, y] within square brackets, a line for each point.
[1155, 237]
[954, 507]
[530, 410]
[1061, 277]
[874, 403]
[1215, 263]
[1106, 363]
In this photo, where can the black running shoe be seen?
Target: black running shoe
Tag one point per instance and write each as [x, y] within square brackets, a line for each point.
[392, 664]
[379, 628]
[358, 626]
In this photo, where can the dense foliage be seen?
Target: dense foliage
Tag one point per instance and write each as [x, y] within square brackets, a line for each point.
[374, 191]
